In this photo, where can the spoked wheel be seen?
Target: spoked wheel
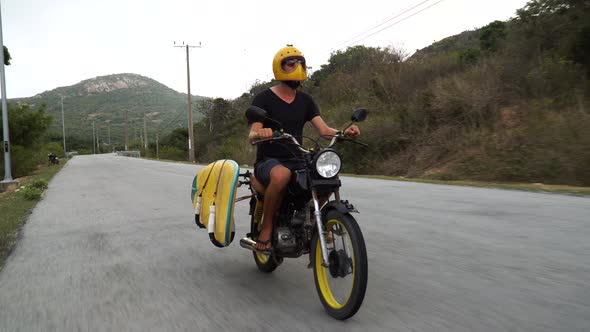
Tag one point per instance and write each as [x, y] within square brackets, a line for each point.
[265, 263]
[342, 285]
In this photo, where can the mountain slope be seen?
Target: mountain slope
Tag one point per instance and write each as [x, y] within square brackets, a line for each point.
[106, 100]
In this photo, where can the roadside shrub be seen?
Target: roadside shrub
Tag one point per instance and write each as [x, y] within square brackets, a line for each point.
[469, 56]
[172, 153]
[23, 161]
[555, 79]
[31, 193]
[468, 99]
[84, 151]
[549, 147]
[53, 147]
[442, 177]
[39, 183]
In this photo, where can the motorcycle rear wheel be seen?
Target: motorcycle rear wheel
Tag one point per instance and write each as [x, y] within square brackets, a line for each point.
[341, 287]
[265, 263]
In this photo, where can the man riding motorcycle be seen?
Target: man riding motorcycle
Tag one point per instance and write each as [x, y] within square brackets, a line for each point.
[292, 108]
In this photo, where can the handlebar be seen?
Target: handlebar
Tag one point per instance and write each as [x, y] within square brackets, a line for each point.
[277, 135]
[340, 137]
[354, 141]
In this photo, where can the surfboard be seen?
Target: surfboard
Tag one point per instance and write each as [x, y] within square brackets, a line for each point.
[213, 194]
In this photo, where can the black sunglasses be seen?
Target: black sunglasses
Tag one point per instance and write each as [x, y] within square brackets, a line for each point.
[292, 62]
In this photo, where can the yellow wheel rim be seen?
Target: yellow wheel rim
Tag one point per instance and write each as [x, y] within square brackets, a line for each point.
[262, 258]
[324, 276]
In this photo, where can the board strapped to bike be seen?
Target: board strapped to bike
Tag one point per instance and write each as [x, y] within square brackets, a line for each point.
[213, 195]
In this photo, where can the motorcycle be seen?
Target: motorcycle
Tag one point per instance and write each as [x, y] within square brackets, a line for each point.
[52, 159]
[308, 222]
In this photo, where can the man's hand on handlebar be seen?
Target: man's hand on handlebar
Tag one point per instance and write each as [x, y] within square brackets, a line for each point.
[262, 133]
[353, 132]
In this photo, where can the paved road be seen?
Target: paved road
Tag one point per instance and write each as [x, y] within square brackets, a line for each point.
[113, 247]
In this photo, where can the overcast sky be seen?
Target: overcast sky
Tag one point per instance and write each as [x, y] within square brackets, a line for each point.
[57, 43]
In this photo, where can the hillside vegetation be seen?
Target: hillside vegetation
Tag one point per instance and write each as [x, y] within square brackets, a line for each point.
[106, 100]
[506, 102]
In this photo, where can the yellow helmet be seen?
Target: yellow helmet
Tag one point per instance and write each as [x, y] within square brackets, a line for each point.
[286, 53]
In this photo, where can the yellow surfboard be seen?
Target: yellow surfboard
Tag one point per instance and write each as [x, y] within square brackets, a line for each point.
[213, 195]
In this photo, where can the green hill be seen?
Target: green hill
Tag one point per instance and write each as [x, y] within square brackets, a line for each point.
[106, 100]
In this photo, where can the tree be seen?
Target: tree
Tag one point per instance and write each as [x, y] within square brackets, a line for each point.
[491, 35]
[177, 139]
[7, 57]
[353, 60]
[27, 126]
[469, 56]
[558, 26]
[544, 8]
[216, 112]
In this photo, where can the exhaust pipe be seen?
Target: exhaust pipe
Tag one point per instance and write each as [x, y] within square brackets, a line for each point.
[248, 243]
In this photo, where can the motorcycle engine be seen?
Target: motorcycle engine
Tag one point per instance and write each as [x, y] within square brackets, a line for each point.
[286, 240]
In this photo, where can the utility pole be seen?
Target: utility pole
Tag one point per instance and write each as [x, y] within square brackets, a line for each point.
[98, 140]
[140, 135]
[133, 130]
[157, 147]
[145, 140]
[93, 138]
[7, 182]
[191, 141]
[63, 125]
[108, 122]
[126, 132]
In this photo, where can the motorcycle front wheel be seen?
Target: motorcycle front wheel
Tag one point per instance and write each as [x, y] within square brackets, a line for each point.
[341, 286]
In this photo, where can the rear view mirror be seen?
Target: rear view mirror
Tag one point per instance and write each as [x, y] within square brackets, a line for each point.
[255, 114]
[359, 115]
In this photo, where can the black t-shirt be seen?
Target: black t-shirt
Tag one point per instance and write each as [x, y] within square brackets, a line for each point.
[292, 116]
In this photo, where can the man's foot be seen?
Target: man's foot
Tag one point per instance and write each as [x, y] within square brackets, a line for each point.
[264, 242]
[264, 247]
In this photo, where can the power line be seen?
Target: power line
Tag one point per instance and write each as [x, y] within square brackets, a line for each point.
[397, 22]
[403, 19]
[380, 24]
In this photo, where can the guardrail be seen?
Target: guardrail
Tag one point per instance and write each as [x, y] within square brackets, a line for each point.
[136, 154]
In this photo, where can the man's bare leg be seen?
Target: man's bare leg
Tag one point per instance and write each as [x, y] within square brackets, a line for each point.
[258, 187]
[273, 197]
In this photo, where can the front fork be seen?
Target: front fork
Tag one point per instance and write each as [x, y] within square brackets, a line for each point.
[320, 226]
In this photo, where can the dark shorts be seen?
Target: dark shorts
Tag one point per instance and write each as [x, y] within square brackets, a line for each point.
[263, 168]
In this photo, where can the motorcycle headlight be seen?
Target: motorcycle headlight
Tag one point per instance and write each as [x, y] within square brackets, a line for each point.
[328, 164]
